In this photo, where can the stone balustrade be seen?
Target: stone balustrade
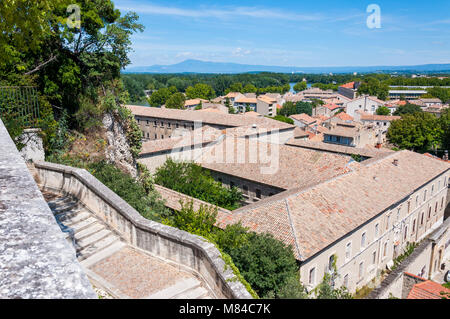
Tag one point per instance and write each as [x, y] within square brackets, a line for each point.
[168, 243]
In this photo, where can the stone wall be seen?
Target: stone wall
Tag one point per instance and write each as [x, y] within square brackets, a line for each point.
[36, 261]
[34, 148]
[163, 241]
[418, 264]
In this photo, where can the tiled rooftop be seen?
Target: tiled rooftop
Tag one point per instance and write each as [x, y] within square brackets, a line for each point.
[211, 118]
[317, 215]
[297, 167]
[304, 118]
[334, 148]
[428, 290]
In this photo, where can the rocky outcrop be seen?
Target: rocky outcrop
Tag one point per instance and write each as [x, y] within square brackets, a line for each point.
[118, 150]
[33, 149]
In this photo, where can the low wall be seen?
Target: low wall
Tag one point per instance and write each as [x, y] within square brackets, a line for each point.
[36, 261]
[163, 241]
[414, 264]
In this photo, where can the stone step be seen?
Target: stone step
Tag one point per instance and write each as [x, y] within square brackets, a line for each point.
[65, 217]
[92, 239]
[96, 227]
[59, 201]
[75, 218]
[83, 224]
[102, 254]
[63, 208]
[97, 246]
[176, 289]
[197, 293]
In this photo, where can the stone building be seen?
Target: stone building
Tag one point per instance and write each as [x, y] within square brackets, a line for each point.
[159, 123]
[361, 220]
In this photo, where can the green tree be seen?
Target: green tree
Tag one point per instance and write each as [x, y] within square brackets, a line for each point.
[383, 110]
[441, 93]
[374, 87]
[200, 91]
[266, 263]
[304, 107]
[300, 86]
[407, 109]
[161, 96]
[444, 122]
[235, 87]
[418, 132]
[249, 88]
[191, 179]
[176, 101]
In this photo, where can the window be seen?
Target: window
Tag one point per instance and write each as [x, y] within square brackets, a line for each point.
[220, 180]
[330, 263]
[388, 220]
[398, 214]
[442, 202]
[385, 249]
[435, 208]
[258, 193]
[374, 257]
[312, 276]
[155, 123]
[346, 280]
[414, 226]
[363, 240]
[432, 190]
[361, 270]
[417, 200]
[377, 226]
[245, 188]
[421, 220]
[348, 251]
[177, 125]
[406, 233]
[429, 212]
[231, 184]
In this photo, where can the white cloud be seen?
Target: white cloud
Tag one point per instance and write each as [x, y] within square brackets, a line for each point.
[204, 12]
[241, 52]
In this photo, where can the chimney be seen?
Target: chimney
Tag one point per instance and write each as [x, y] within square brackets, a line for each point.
[395, 162]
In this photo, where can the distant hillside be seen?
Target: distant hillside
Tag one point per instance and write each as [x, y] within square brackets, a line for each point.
[196, 66]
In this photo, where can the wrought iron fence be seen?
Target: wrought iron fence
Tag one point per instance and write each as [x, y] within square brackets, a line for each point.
[20, 104]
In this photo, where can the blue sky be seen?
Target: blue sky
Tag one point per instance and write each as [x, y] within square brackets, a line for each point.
[290, 33]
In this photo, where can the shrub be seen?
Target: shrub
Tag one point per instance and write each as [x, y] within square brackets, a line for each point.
[148, 205]
[200, 222]
[192, 180]
[266, 263]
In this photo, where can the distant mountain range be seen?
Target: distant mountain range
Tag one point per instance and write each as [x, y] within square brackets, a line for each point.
[197, 66]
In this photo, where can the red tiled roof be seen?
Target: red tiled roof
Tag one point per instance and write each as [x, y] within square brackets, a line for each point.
[344, 116]
[350, 85]
[428, 290]
[332, 107]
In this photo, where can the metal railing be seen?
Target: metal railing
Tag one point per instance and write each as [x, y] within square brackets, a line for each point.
[19, 103]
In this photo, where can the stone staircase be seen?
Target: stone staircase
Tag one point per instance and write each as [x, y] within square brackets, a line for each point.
[90, 237]
[187, 289]
[94, 241]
